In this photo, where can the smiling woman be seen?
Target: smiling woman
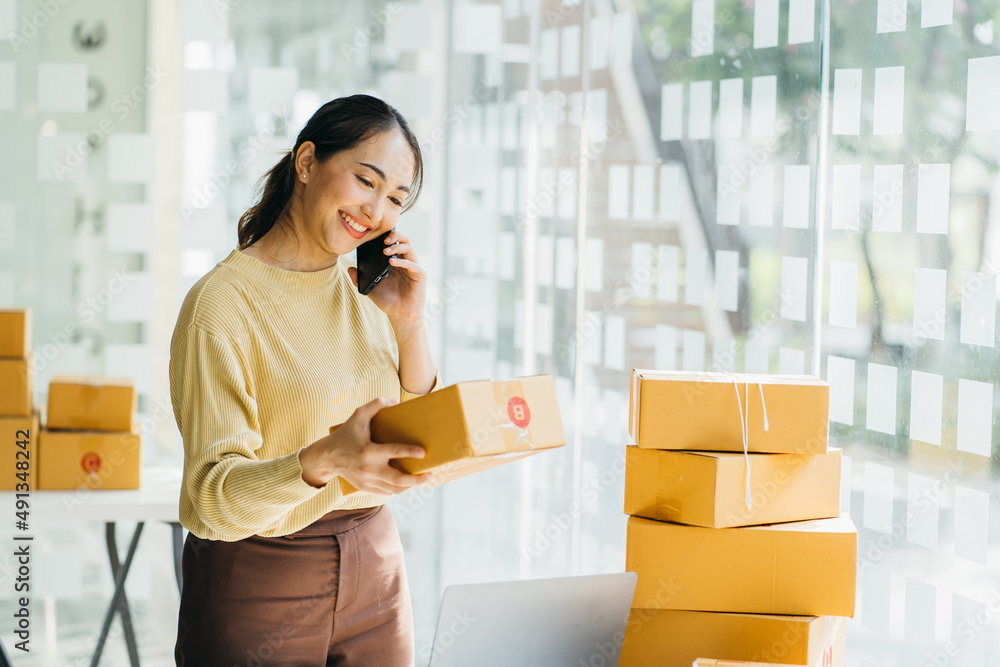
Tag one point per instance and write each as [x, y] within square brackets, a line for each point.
[351, 148]
[272, 348]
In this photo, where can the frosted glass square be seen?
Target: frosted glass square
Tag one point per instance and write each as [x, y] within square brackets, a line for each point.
[881, 412]
[975, 417]
[972, 523]
[60, 158]
[797, 189]
[890, 16]
[727, 279]
[933, 193]
[642, 192]
[846, 196]
[618, 191]
[476, 28]
[936, 12]
[791, 361]
[979, 305]
[761, 195]
[700, 110]
[889, 100]
[670, 192]
[62, 87]
[982, 103]
[595, 265]
[666, 273]
[272, 89]
[926, 394]
[730, 108]
[763, 105]
[801, 21]
[131, 158]
[847, 101]
[641, 273]
[565, 262]
[614, 342]
[727, 201]
[765, 24]
[130, 227]
[702, 28]
[878, 497]
[693, 350]
[696, 263]
[794, 280]
[665, 351]
[671, 112]
[840, 376]
[569, 61]
[923, 505]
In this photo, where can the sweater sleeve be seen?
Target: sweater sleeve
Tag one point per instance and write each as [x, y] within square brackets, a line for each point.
[234, 492]
[405, 395]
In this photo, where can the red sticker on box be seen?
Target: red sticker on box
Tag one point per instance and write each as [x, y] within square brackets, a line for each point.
[90, 462]
[517, 410]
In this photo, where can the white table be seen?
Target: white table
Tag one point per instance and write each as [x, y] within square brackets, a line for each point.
[156, 500]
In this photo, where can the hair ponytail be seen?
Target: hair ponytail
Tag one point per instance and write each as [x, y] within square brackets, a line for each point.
[338, 125]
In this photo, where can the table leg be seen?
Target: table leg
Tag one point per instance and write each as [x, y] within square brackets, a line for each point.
[118, 598]
[178, 532]
[123, 610]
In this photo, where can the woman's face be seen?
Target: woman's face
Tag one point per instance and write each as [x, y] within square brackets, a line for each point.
[367, 185]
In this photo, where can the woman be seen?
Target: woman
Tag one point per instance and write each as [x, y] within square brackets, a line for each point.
[272, 347]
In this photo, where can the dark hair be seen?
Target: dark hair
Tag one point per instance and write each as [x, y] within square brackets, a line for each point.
[338, 125]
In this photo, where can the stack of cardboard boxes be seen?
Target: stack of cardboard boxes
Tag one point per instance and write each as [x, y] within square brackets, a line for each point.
[735, 530]
[18, 414]
[90, 439]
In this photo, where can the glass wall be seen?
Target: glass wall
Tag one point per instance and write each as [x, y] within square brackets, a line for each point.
[792, 186]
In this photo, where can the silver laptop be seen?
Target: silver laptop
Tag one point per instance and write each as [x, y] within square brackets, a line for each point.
[568, 621]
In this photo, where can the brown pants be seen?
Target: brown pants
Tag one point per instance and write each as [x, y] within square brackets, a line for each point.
[333, 593]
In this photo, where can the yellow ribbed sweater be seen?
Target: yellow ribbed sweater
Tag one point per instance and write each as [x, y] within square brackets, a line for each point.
[263, 361]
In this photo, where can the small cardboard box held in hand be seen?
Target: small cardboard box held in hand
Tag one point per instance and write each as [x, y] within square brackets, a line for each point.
[806, 568]
[709, 488]
[784, 414]
[471, 426]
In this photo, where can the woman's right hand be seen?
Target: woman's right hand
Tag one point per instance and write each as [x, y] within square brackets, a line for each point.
[350, 453]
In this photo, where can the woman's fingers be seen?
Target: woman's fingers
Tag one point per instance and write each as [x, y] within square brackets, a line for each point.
[407, 264]
[398, 249]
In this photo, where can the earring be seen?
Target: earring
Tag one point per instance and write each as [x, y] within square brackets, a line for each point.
[303, 177]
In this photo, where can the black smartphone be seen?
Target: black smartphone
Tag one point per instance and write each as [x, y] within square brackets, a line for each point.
[373, 263]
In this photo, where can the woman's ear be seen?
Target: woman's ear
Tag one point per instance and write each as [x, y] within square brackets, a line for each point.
[305, 160]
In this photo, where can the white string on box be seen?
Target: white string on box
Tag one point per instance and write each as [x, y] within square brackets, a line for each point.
[745, 426]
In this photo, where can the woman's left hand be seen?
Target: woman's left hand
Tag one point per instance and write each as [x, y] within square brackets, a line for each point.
[401, 293]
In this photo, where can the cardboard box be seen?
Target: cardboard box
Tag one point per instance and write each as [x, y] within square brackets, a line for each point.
[88, 459]
[803, 568]
[14, 430]
[91, 403]
[15, 332]
[709, 488]
[700, 412]
[17, 385]
[669, 638]
[471, 426]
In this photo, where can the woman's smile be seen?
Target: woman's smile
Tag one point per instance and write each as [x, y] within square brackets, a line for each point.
[353, 226]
